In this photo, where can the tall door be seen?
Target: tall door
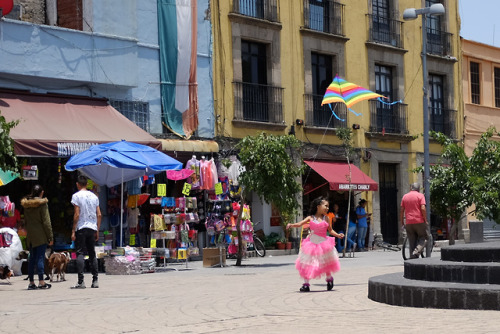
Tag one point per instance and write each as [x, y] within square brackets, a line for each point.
[388, 202]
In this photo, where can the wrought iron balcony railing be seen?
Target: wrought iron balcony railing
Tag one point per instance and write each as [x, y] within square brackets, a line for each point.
[444, 121]
[388, 118]
[325, 16]
[258, 103]
[439, 42]
[321, 116]
[261, 9]
[385, 30]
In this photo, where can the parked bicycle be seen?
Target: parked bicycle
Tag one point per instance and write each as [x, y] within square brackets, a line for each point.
[258, 245]
[380, 243]
[406, 247]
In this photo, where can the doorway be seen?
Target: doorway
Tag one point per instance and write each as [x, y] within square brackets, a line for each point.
[388, 202]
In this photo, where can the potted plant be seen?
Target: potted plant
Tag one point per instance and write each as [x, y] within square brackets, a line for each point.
[281, 243]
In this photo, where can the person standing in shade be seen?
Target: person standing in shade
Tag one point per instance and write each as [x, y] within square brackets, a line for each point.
[362, 224]
[38, 235]
[86, 224]
[414, 210]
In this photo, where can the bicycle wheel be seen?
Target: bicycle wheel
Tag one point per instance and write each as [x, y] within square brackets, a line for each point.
[431, 240]
[258, 245]
[406, 249]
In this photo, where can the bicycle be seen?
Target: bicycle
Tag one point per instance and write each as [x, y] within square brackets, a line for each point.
[406, 251]
[258, 245]
[379, 242]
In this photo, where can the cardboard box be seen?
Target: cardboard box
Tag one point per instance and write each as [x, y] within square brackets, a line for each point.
[212, 256]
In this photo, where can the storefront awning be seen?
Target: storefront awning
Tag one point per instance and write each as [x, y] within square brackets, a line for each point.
[337, 175]
[59, 126]
[179, 145]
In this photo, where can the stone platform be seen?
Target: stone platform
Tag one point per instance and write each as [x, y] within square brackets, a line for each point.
[467, 276]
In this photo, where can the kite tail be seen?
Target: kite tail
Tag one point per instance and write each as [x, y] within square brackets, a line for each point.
[389, 103]
[334, 114]
[355, 113]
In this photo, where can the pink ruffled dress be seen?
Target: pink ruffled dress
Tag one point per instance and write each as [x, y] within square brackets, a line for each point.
[317, 255]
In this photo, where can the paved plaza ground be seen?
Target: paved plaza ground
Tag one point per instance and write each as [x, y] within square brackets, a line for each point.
[260, 297]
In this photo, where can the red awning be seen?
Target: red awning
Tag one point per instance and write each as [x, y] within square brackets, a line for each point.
[337, 175]
[59, 126]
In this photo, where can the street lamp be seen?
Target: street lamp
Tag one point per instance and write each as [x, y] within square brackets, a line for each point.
[412, 14]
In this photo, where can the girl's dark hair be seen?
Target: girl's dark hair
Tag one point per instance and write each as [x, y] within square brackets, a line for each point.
[315, 203]
[36, 191]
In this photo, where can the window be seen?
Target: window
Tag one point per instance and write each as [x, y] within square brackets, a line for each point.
[475, 88]
[137, 112]
[381, 21]
[436, 101]
[319, 15]
[252, 8]
[255, 89]
[386, 117]
[497, 87]
[322, 76]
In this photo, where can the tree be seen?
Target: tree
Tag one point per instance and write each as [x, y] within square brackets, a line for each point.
[463, 181]
[345, 134]
[8, 160]
[272, 166]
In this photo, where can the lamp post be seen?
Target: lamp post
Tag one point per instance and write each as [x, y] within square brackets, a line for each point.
[412, 14]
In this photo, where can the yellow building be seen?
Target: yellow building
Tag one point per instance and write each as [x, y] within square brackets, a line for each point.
[273, 60]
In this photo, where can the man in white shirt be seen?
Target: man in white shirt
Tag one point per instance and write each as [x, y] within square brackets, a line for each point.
[86, 224]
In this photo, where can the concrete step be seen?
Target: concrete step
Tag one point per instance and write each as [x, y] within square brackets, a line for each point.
[394, 289]
[488, 251]
[433, 269]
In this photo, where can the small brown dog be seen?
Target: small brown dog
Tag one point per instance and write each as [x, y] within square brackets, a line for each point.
[5, 273]
[57, 265]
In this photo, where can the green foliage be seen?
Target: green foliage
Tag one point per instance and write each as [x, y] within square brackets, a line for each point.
[271, 239]
[273, 165]
[462, 181]
[345, 134]
[485, 176]
[8, 160]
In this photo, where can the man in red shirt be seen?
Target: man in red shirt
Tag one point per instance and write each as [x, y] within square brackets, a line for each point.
[413, 208]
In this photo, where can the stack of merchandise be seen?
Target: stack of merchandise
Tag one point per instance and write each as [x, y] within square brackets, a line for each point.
[129, 264]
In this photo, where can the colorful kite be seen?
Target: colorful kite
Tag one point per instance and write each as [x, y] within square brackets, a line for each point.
[348, 93]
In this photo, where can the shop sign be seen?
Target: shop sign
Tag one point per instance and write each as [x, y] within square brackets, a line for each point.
[30, 172]
[363, 187]
[70, 149]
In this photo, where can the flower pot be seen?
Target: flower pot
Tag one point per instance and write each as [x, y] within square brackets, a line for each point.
[280, 245]
[288, 245]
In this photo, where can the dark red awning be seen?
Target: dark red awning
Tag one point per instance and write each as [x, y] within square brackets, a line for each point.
[59, 126]
[337, 175]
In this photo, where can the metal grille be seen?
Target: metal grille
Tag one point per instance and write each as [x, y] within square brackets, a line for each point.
[326, 16]
[259, 103]
[261, 9]
[443, 120]
[321, 116]
[137, 112]
[385, 30]
[388, 118]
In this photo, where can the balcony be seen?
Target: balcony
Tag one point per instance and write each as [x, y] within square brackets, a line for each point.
[444, 121]
[260, 9]
[439, 42]
[385, 31]
[326, 16]
[321, 116]
[258, 103]
[388, 118]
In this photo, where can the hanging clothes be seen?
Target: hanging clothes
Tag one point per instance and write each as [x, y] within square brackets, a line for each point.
[235, 170]
[194, 179]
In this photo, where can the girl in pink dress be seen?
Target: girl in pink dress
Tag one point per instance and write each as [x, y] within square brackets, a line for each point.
[318, 256]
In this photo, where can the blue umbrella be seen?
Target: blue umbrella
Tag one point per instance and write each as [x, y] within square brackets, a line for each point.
[113, 163]
[117, 162]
